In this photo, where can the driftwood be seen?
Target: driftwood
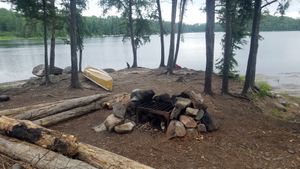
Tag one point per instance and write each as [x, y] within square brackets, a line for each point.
[104, 159]
[63, 116]
[15, 111]
[60, 107]
[37, 156]
[46, 138]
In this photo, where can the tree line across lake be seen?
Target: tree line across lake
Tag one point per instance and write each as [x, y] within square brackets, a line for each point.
[13, 25]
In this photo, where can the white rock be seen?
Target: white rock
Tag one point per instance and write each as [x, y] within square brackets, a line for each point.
[111, 121]
[100, 128]
[124, 128]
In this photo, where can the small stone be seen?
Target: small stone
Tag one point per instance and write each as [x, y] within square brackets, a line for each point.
[280, 107]
[39, 70]
[139, 95]
[196, 98]
[100, 128]
[291, 151]
[192, 133]
[209, 122]
[295, 105]
[188, 121]
[182, 102]
[199, 115]
[201, 128]
[283, 101]
[119, 110]
[175, 113]
[17, 166]
[191, 111]
[176, 129]
[111, 121]
[124, 128]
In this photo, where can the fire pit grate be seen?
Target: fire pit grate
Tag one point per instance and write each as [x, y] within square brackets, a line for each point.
[155, 112]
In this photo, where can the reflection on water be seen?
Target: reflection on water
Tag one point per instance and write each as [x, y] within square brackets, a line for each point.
[278, 54]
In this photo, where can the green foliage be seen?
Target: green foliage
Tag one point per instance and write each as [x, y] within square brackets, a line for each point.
[264, 89]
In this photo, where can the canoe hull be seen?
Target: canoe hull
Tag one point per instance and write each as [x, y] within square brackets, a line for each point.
[99, 77]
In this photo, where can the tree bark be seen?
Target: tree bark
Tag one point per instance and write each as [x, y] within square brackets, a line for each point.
[45, 43]
[251, 66]
[80, 59]
[37, 156]
[133, 45]
[161, 35]
[181, 15]
[210, 41]
[172, 37]
[74, 72]
[63, 116]
[228, 47]
[52, 47]
[104, 159]
[32, 133]
[19, 110]
[60, 107]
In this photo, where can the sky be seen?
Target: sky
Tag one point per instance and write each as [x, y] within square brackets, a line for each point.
[193, 13]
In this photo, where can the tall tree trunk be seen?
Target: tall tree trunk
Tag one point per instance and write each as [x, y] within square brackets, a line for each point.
[228, 46]
[45, 43]
[172, 37]
[52, 47]
[251, 66]
[210, 42]
[133, 45]
[80, 59]
[181, 15]
[73, 27]
[161, 33]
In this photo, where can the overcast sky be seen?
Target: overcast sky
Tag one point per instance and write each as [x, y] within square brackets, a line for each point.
[193, 13]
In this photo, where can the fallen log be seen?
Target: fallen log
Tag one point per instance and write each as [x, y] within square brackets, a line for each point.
[37, 156]
[15, 111]
[63, 116]
[60, 107]
[32, 133]
[104, 159]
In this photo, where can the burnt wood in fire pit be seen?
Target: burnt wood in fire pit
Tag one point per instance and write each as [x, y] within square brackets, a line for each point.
[155, 112]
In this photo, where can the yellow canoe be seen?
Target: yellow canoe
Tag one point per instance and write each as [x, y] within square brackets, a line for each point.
[98, 76]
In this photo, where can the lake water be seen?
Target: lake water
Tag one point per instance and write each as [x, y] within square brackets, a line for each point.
[278, 56]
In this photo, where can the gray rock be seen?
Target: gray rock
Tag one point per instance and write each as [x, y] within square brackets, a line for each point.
[67, 70]
[175, 113]
[201, 128]
[188, 121]
[112, 121]
[17, 166]
[191, 111]
[199, 115]
[280, 107]
[175, 129]
[196, 98]
[4, 98]
[54, 78]
[182, 102]
[139, 95]
[100, 128]
[192, 133]
[283, 101]
[124, 128]
[209, 122]
[165, 97]
[119, 110]
[39, 70]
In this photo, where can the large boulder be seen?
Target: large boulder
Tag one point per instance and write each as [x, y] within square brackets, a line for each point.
[209, 122]
[176, 129]
[39, 70]
[124, 128]
[112, 121]
[188, 121]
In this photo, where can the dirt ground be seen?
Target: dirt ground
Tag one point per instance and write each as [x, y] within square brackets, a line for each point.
[247, 138]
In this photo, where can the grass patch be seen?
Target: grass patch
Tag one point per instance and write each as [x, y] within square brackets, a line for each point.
[264, 89]
[242, 78]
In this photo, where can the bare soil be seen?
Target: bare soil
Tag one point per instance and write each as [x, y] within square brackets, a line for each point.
[247, 138]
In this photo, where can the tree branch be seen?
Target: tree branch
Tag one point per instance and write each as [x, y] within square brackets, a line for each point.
[267, 3]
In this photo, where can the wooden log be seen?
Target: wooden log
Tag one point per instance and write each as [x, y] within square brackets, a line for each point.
[15, 111]
[60, 107]
[32, 133]
[37, 156]
[104, 159]
[63, 116]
